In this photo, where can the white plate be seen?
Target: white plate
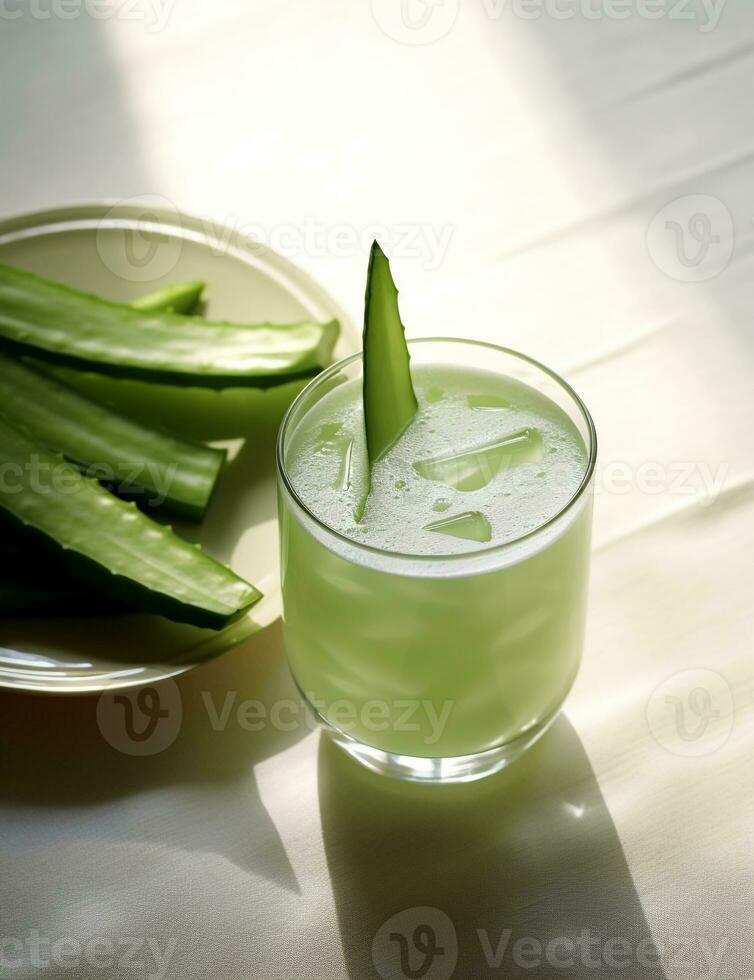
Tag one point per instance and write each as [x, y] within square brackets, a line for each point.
[121, 251]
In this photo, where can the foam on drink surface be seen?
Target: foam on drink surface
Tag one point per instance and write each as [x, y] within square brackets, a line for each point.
[491, 455]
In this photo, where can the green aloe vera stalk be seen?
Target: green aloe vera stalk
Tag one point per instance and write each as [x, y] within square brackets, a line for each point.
[389, 398]
[26, 589]
[157, 470]
[110, 543]
[181, 298]
[64, 326]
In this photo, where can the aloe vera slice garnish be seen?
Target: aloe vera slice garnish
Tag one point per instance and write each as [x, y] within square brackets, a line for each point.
[110, 543]
[389, 398]
[65, 326]
[181, 298]
[157, 470]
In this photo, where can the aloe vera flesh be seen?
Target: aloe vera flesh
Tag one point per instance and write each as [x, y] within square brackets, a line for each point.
[389, 398]
[65, 326]
[110, 543]
[183, 298]
[156, 470]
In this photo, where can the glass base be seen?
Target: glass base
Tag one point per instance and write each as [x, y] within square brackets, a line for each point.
[422, 769]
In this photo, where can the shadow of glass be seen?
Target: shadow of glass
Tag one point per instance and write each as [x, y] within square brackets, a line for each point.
[61, 768]
[521, 874]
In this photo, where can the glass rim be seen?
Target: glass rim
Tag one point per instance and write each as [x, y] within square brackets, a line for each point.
[467, 556]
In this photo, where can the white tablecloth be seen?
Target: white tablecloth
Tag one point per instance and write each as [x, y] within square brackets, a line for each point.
[579, 187]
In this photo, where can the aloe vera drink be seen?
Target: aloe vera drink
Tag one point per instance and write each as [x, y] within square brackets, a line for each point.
[446, 623]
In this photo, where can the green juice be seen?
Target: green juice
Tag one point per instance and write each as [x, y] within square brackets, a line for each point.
[448, 620]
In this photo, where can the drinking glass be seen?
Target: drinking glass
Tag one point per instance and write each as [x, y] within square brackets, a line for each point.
[436, 668]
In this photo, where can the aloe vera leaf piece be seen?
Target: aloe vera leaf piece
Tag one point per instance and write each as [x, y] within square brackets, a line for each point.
[181, 298]
[110, 543]
[389, 398]
[156, 469]
[190, 413]
[64, 326]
